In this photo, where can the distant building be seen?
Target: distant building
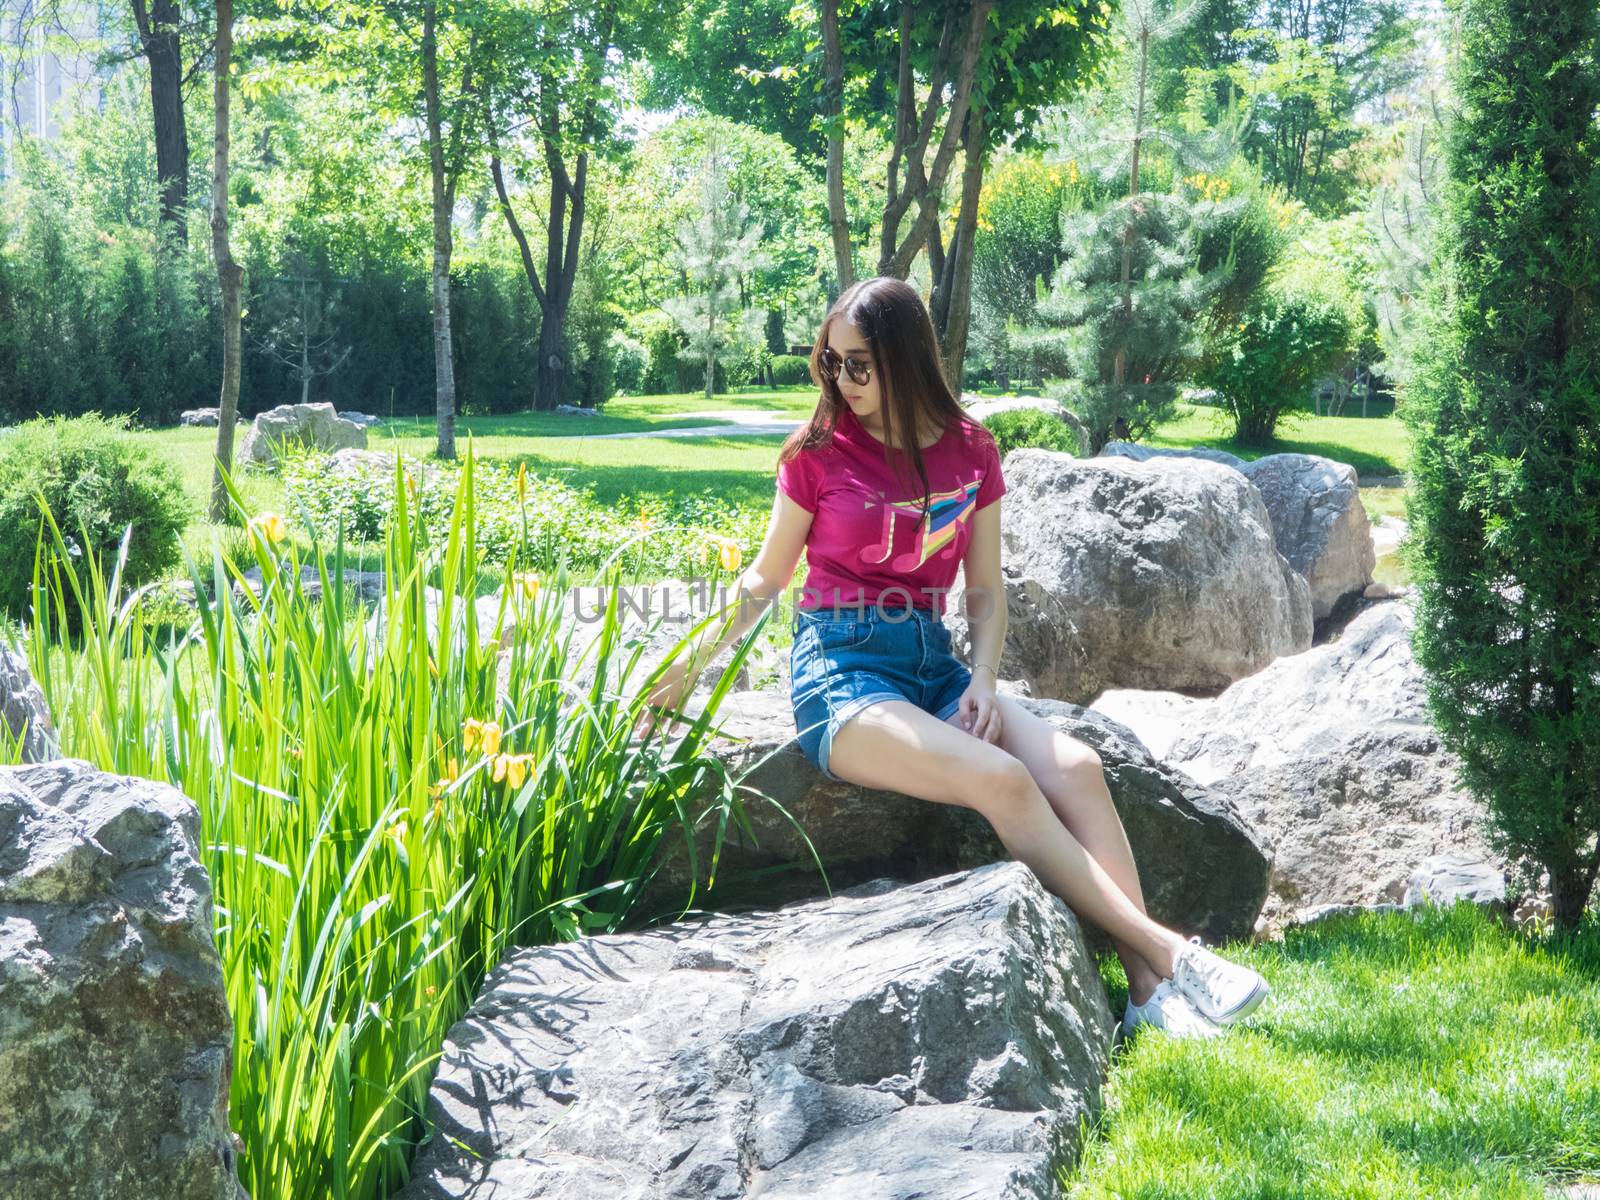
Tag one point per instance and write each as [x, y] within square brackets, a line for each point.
[48, 65]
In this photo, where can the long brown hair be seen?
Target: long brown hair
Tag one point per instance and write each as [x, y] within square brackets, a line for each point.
[906, 358]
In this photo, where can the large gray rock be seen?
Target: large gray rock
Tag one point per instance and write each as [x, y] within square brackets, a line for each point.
[23, 713]
[1319, 523]
[1331, 756]
[941, 1039]
[115, 1039]
[980, 409]
[1127, 574]
[315, 425]
[1201, 867]
[1314, 503]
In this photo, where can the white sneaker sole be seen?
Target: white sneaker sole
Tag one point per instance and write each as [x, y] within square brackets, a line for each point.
[1247, 1006]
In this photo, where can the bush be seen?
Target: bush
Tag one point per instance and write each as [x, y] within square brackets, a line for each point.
[96, 482]
[1031, 427]
[791, 370]
[629, 361]
[1265, 365]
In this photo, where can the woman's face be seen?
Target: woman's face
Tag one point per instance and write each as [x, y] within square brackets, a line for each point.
[847, 342]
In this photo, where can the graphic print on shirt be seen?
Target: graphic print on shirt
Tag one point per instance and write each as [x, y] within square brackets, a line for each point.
[947, 513]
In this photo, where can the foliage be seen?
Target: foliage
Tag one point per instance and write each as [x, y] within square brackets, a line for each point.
[554, 524]
[97, 483]
[789, 370]
[629, 359]
[1265, 365]
[1502, 403]
[1019, 427]
[381, 819]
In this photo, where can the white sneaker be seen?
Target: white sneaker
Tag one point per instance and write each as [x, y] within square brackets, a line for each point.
[1223, 991]
[1170, 1011]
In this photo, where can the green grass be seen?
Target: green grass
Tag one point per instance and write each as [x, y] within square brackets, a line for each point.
[1435, 1056]
[1372, 445]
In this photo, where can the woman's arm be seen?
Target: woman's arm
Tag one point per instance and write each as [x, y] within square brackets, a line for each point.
[984, 597]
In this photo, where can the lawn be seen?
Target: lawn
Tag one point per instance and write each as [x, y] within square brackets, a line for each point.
[1437, 1055]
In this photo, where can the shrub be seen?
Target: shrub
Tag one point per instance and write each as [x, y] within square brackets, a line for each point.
[629, 361]
[791, 370]
[96, 483]
[1031, 427]
[1265, 365]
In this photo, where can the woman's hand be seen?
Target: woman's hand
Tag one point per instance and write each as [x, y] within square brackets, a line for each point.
[665, 699]
[980, 711]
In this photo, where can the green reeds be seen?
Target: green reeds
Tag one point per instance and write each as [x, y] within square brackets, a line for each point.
[388, 803]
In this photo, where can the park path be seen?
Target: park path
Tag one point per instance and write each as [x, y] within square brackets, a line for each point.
[746, 422]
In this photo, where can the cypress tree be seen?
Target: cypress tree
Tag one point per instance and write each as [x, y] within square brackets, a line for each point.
[1505, 411]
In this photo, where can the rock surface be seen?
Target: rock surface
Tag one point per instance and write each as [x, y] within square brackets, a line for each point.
[1201, 867]
[1142, 453]
[1319, 523]
[115, 1038]
[23, 713]
[1331, 757]
[941, 1039]
[315, 425]
[1120, 574]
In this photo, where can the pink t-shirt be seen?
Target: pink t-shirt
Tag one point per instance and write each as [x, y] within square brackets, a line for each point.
[868, 534]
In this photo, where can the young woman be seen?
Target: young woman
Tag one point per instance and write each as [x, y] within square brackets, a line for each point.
[889, 488]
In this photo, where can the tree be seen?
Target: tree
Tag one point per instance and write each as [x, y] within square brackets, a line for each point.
[230, 278]
[932, 80]
[1147, 271]
[1504, 407]
[160, 29]
[715, 251]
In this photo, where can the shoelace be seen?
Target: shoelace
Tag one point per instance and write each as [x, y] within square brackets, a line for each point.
[1196, 969]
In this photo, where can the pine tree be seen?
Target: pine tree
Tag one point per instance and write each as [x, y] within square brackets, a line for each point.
[1504, 403]
[716, 250]
[1146, 268]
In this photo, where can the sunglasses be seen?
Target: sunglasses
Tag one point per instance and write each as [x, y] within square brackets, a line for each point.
[858, 370]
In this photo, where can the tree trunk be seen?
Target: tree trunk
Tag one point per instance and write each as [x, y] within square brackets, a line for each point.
[230, 276]
[1120, 370]
[163, 50]
[955, 303]
[838, 218]
[443, 362]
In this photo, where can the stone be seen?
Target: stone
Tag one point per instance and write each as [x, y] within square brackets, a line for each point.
[1201, 868]
[493, 630]
[365, 420]
[23, 712]
[315, 425]
[1141, 453]
[1445, 878]
[937, 1039]
[981, 409]
[365, 586]
[115, 1040]
[201, 417]
[1331, 757]
[1123, 574]
[376, 465]
[1318, 522]
[573, 410]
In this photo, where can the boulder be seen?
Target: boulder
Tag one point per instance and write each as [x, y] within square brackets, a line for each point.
[1318, 522]
[1201, 867]
[1142, 453]
[940, 1039]
[23, 713]
[376, 465]
[314, 425]
[1314, 503]
[365, 420]
[573, 410]
[1331, 757]
[365, 586]
[1445, 878]
[208, 418]
[1120, 574]
[115, 1039]
[981, 409]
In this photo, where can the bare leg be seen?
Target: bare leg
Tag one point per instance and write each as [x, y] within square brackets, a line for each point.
[1070, 775]
[895, 745]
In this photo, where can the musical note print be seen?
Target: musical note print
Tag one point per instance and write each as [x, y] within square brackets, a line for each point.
[947, 513]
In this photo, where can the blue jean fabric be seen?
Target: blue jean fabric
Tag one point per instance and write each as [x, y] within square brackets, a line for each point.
[846, 659]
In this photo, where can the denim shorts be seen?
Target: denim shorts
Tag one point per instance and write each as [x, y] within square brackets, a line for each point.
[845, 659]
